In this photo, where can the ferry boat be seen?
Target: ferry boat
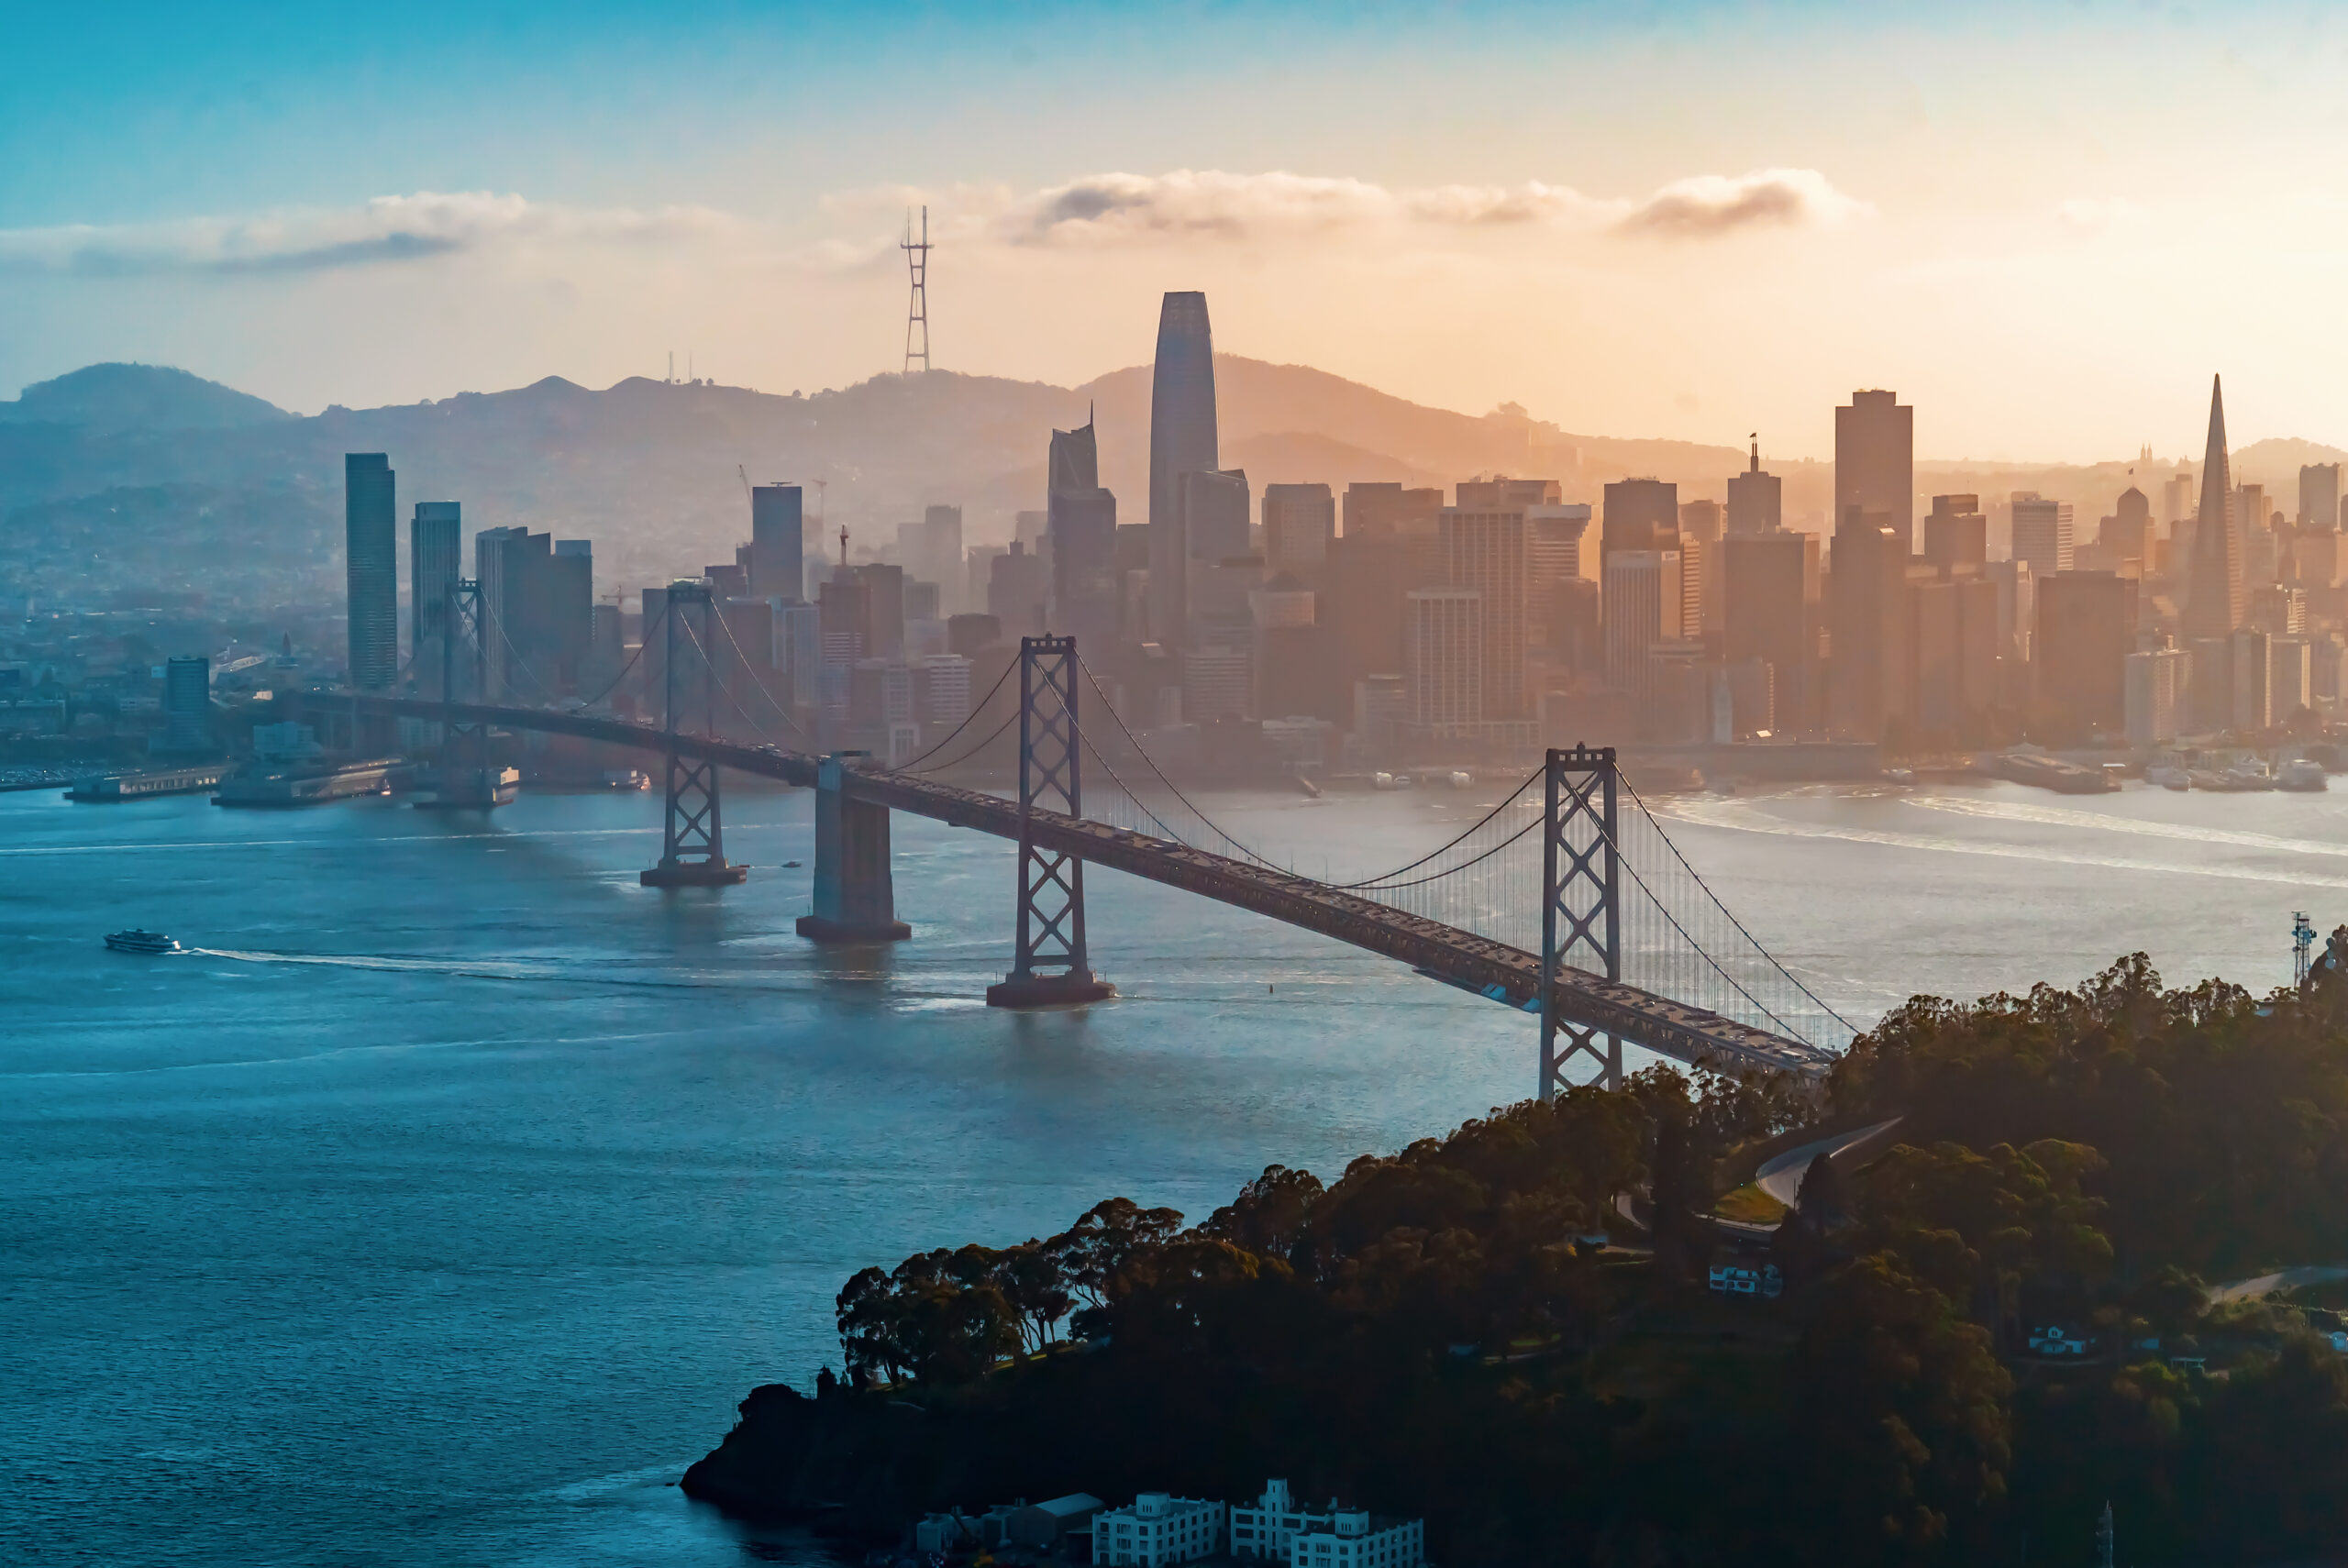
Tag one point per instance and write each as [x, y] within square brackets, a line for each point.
[2302, 774]
[138, 941]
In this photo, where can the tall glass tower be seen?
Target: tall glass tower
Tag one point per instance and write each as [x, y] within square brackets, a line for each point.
[372, 553]
[1181, 441]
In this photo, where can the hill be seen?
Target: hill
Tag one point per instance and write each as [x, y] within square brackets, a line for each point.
[115, 397]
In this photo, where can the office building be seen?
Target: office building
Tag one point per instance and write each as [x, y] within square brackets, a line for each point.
[1484, 551]
[2320, 495]
[1560, 548]
[1636, 513]
[1868, 681]
[1181, 441]
[1875, 463]
[2290, 680]
[778, 562]
[436, 555]
[2042, 534]
[2215, 593]
[1502, 494]
[1388, 511]
[2127, 534]
[568, 592]
[371, 568]
[1217, 683]
[1756, 499]
[1155, 1532]
[1444, 663]
[2250, 664]
[1956, 535]
[931, 549]
[1640, 609]
[1299, 523]
[2156, 697]
[885, 608]
[1699, 567]
[1771, 614]
[1080, 520]
[537, 611]
[1211, 527]
[2086, 625]
[1017, 589]
[187, 704]
[798, 652]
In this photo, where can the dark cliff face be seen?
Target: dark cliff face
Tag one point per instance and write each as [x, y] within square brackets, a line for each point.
[860, 1463]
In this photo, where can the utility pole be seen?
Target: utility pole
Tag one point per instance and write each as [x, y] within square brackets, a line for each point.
[917, 313]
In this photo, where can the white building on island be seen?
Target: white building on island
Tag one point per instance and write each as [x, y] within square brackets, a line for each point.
[1155, 1531]
[1276, 1528]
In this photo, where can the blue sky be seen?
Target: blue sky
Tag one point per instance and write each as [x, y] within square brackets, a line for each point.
[2046, 224]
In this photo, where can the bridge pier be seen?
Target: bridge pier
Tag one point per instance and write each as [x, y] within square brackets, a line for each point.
[693, 853]
[1582, 919]
[1051, 968]
[855, 898]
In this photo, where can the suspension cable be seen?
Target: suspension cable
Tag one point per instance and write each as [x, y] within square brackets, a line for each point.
[1439, 876]
[1422, 860]
[1724, 910]
[1170, 784]
[644, 641]
[750, 669]
[1009, 720]
[976, 708]
[1139, 803]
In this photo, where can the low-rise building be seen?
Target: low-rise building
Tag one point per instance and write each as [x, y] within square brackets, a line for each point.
[1157, 1530]
[1355, 1539]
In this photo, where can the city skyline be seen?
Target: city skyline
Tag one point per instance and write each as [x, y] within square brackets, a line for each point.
[1736, 264]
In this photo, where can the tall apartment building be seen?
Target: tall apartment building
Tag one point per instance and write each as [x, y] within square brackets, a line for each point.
[371, 568]
[1444, 654]
[1640, 608]
[1485, 551]
[1874, 461]
[2042, 534]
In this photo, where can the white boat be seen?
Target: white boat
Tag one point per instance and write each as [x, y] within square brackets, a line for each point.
[2251, 774]
[1898, 776]
[1460, 780]
[2301, 775]
[1381, 781]
[136, 940]
[626, 779]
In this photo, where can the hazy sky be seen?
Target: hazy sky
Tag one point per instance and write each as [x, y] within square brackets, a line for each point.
[2044, 225]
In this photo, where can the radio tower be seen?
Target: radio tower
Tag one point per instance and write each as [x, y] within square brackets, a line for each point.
[917, 316]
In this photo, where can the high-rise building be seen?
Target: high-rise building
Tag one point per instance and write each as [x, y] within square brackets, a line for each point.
[778, 541]
[1699, 567]
[1017, 589]
[1299, 522]
[1444, 654]
[436, 555]
[1181, 441]
[2250, 660]
[1868, 626]
[2290, 682]
[2042, 534]
[1637, 512]
[931, 550]
[2154, 697]
[2176, 498]
[1386, 510]
[187, 704]
[2215, 592]
[1640, 609]
[1771, 614]
[885, 613]
[1561, 546]
[2086, 628]
[1502, 494]
[1756, 499]
[537, 611]
[2127, 534]
[1081, 522]
[1211, 528]
[1957, 536]
[567, 608]
[1485, 551]
[2320, 495]
[371, 564]
[1874, 461]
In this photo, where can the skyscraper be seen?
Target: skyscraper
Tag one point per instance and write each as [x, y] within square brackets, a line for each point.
[1874, 461]
[1299, 522]
[187, 704]
[1637, 512]
[1957, 536]
[436, 555]
[2086, 625]
[778, 541]
[2320, 495]
[1772, 615]
[1181, 441]
[2042, 534]
[1642, 608]
[1081, 524]
[371, 559]
[1756, 499]
[1485, 551]
[2215, 596]
[1868, 627]
[1444, 654]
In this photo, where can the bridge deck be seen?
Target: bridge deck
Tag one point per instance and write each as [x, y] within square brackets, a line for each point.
[1685, 1033]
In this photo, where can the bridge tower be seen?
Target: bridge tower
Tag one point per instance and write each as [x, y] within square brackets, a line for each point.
[1050, 968]
[693, 851]
[468, 779]
[856, 897]
[1582, 919]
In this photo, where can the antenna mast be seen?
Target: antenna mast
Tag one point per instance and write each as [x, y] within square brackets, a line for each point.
[917, 313]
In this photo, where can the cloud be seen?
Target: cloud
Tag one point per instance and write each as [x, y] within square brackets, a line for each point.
[387, 230]
[1709, 205]
[1211, 205]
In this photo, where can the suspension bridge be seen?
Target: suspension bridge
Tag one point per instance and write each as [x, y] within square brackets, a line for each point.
[1567, 899]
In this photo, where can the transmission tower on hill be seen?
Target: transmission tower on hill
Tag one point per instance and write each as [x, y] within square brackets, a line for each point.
[917, 314]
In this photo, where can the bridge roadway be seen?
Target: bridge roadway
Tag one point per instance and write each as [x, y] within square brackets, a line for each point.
[1685, 1033]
